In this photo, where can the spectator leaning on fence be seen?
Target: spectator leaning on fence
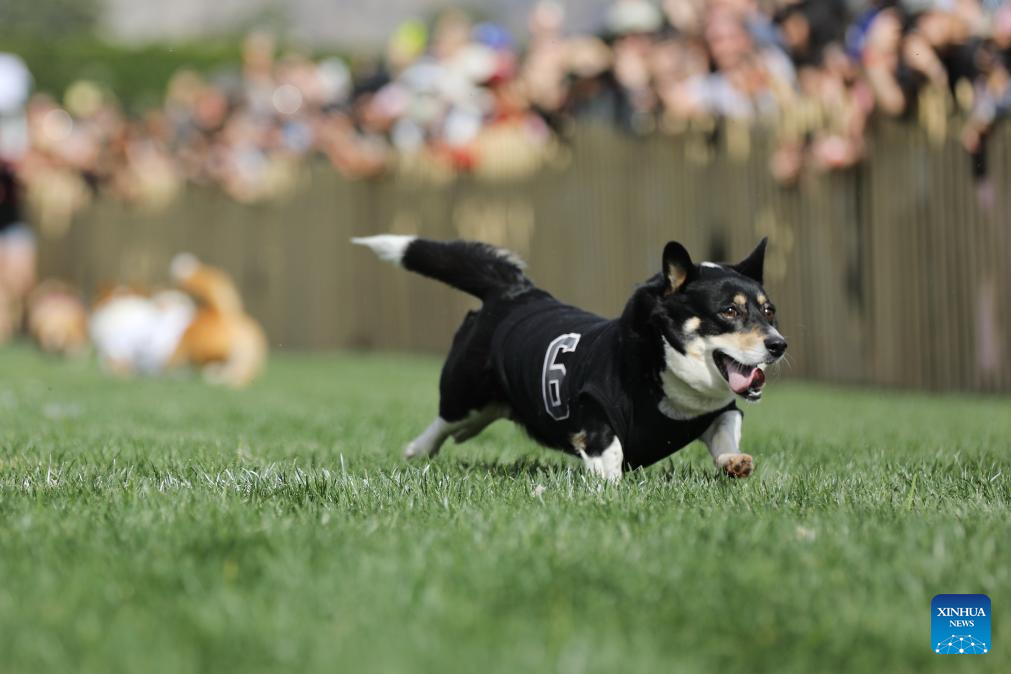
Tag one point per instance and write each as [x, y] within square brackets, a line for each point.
[460, 96]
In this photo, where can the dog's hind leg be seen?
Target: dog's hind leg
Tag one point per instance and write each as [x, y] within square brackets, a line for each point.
[469, 395]
[478, 420]
[430, 441]
[475, 421]
[723, 438]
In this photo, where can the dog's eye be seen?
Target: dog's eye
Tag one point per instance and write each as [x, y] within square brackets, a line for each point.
[730, 313]
[769, 311]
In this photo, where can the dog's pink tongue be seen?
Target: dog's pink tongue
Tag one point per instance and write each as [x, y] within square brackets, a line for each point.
[742, 381]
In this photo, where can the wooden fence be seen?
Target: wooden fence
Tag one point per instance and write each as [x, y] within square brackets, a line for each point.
[895, 273]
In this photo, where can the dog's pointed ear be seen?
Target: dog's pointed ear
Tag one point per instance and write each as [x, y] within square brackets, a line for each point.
[753, 266]
[678, 268]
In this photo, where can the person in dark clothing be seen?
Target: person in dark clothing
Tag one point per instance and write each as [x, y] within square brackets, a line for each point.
[10, 210]
[17, 245]
[17, 252]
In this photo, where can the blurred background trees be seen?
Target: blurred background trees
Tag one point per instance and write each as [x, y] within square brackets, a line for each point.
[48, 19]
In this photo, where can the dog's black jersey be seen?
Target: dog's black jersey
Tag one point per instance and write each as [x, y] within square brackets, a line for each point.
[560, 369]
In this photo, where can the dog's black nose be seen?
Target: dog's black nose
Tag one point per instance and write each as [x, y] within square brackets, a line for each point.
[776, 346]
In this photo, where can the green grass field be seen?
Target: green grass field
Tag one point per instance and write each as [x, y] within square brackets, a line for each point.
[162, 526]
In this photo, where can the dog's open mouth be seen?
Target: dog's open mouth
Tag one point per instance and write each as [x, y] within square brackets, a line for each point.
[744, 380]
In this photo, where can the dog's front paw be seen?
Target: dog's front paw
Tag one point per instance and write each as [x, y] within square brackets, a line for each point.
[736, 465]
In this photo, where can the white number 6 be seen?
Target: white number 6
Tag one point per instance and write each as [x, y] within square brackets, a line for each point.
[553, 375]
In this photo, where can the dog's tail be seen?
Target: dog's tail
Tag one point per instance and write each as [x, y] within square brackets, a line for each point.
[476, 268]
[208, 285]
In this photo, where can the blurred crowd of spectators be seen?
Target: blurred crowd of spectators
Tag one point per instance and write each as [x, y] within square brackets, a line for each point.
[469, 95]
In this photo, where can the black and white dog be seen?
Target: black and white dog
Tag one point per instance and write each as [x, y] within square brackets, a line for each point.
[619, 393]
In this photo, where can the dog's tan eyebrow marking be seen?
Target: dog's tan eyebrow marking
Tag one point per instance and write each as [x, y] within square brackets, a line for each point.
[739, 298]
[762, 299]
[691, 325]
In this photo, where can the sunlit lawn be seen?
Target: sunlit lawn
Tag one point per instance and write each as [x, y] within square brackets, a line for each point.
[163, 526]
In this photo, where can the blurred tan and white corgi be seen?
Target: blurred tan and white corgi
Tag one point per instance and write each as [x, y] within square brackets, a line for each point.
[202, 324]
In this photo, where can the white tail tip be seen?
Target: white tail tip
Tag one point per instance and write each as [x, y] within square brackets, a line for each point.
[388, 247]
[183, 265]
